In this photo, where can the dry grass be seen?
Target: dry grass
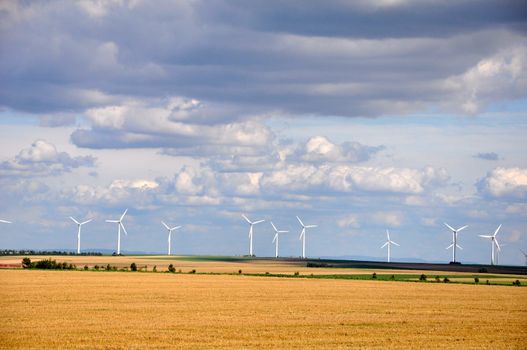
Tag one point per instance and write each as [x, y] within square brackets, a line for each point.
[112, 310]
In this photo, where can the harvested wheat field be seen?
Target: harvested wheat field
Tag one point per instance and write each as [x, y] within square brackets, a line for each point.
[126, 310]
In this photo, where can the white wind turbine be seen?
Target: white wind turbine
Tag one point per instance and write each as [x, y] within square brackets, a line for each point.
[119, 226]
[170, 233]
[389, 243]
[79, 225]
[252, 223]
[493, 242]
[454, 244]
[303, 236]
[525, 255]
[276, 236]
[5, 222]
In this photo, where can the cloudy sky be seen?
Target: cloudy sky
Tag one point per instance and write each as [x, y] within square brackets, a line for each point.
[357, 116]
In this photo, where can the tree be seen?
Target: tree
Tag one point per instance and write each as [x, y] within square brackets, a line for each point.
[26, 263]
[133, 267]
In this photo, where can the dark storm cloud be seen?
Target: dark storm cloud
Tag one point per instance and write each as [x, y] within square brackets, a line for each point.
[371, 19]
[331, 58]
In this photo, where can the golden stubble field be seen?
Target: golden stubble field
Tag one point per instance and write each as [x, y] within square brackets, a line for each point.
[125, 310]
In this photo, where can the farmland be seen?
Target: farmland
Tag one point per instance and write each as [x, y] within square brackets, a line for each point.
[118, 310]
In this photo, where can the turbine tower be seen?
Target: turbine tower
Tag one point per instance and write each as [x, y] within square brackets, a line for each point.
[251, 223]
[119, 226]
[170, 233]
[493, 242]
[275, 239]
[454, 244]
[5, 222]
[303, 236]
[79, 225]
[389, 243]
[525, 255]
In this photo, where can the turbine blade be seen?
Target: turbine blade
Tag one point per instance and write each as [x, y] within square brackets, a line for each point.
[461, 228]
[257, 222]
[450, 246]
[75, 221]
[485, 236]
[274, 227]
[122, 226]
[274, 239]
[6, 222]
[283, 231]
[388, 234]
[497, 230]
[112, 221]
[395, 243]
[85, 222]
[168, 228]
[497, 244]
[450, 227]
[246, 219]
[176, 227]
[300, 221]
[302, 234]
[311, 226]
[384, 245]
[122, 216]
[457, 245]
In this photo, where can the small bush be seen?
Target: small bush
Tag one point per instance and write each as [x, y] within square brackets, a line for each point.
[446, 280]
[171, 268]
[96, 267]
[86, 267]
[392, 277]
[374, 276]
[476, 280]
[133, 267]
[297, 273]
[26, 263]
[179, 271]
[240, 271]
[154, 268]
[268, 273]
[422, 277]
[438, 279]
[516, 283]
[487, 282]
[108, 267]
[192, 271]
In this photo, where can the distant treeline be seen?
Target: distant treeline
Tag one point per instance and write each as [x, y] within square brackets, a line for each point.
[44, 252]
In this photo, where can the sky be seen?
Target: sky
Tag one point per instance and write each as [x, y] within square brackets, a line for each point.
[356, 116]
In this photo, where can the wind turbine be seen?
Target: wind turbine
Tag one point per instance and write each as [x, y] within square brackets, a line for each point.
[252, 223]
[170, 233]
[275, 239]
[525, 255]
[303, 236]
[389, 243]
[493, 242]
[79, 225]
[454, 244]
[119, 226]
[5, 222]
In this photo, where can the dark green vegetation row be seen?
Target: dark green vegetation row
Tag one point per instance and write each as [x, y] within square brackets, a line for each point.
[49, 264]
